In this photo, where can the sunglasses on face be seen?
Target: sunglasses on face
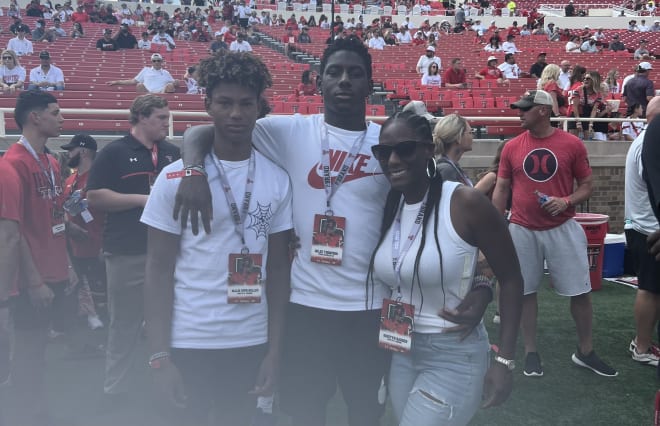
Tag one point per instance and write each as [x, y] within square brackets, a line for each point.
[7, 58]
[403, 149]
[156, 60]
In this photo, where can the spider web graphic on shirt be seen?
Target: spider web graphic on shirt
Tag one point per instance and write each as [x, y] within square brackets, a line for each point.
[260, 220]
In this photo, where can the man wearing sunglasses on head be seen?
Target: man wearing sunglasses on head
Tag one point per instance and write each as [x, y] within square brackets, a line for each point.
[153, 79]
[541, 167]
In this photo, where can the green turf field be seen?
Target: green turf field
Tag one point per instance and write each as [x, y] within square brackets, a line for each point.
[566, 395]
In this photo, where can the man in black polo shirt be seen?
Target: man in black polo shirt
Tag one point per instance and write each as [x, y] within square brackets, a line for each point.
[639, 89]
[124, 38]
[119, 184]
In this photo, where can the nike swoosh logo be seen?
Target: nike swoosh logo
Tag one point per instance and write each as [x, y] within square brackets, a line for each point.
[315, 176]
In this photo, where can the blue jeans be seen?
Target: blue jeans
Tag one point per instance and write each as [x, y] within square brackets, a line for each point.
[441, 380]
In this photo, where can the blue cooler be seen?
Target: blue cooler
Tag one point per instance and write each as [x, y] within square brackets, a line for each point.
[615, 245]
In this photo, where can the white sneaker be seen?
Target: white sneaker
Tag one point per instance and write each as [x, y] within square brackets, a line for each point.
[94, 322]
[650, 357]
[496, 318]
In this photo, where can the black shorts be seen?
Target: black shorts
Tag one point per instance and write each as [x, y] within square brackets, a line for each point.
[324, 349]
[218, 381]
[644, 265]
[61, 315]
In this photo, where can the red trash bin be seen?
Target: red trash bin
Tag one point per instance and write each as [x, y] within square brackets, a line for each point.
[595, 228]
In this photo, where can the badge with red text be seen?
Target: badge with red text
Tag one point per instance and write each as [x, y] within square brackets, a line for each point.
[328, 239]
[396, 326]
[244, 284]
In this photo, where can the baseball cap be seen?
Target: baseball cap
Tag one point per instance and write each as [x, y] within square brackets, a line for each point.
[430, 48]
[217, 33]
[44, 55]
[644, 66]
[156, 57]
[533, 98]
[491, 58]
[81, 140]
[419, 108]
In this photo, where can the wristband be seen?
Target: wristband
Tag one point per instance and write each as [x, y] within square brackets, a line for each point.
[197, 167]
[184, 173]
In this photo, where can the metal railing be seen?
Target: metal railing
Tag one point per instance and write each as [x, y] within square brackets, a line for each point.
[201, 114]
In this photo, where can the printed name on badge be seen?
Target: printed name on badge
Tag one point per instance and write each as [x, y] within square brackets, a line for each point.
[244, 283]
[328, 239]
[396, 326]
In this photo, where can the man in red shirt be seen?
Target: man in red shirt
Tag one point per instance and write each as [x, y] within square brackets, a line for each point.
[45, 303]
[80, 15]
[86, 233]
[11, 202]
[455, 76]
[541, 167]
[491, 72]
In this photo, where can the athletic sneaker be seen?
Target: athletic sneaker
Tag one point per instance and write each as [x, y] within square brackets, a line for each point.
[533, 365]
[593, 363]
[650, 357]
[633, 347]
[496, 318]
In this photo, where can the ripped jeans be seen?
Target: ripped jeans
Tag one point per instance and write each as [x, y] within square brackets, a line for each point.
[441, 380]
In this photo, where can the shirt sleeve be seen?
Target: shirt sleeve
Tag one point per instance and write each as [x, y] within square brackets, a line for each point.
[30, 49]
[140, 77]
[270, 136]
[651, 163]
[21, 74]
[157, 212]
[11, 196]
[103, 174]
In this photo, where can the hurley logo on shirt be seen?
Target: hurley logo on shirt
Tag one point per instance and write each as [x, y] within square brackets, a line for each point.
[358, 169]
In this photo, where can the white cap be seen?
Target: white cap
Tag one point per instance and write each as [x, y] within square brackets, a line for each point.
[156, 56]
[419, 108]
[217, 33]
[431, 48]
[644, 66]
[491, 58]
[532, 98]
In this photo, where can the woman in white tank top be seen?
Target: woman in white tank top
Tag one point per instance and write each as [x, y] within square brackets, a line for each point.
[427, 253]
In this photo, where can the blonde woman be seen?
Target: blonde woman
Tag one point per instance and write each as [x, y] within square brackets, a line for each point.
[596, 91]
[548, 82]
[452, 137]
[11, 72]
[612, 82]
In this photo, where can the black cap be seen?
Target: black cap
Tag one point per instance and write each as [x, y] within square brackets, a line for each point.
[44, 55]
[81, 140]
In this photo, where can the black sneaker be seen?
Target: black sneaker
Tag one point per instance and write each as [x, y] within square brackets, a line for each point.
[593, 363]
[533, 365]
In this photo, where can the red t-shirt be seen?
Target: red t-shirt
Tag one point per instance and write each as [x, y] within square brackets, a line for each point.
[11, 203]
[41, 212]
[491, 73]
[80, 17]
[92, 246]
[550, 166]
[454, 77]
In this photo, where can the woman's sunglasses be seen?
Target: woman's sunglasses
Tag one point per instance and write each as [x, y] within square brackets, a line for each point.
[403, 149]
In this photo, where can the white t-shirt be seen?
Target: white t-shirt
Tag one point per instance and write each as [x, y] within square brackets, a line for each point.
[424, 61]
[632, 128]
[431, 80]
[21, 47]
[164, 39]
[638, 212]
[54, 75]
[154, 80]
[404, 37]
[572, 47]
[11, 76]
[442, 286]
[294, 143]
[509, 47]
[509, 70]
[240, 46]
[377, 43]
[144, 44]
[202, 318]
[564, 80]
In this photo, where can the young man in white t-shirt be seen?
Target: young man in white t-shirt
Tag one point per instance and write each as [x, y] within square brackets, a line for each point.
[331, 334]
[215, 303]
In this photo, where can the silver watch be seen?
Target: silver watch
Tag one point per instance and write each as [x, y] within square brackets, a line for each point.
[508, 363]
